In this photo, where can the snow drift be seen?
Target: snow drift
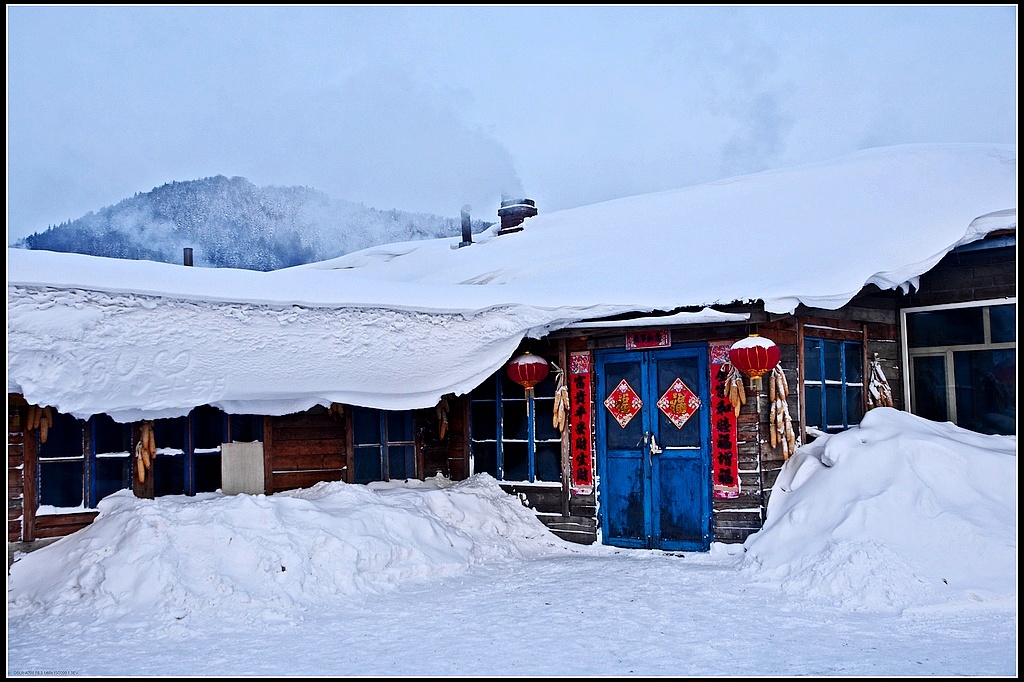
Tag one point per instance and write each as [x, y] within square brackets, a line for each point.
[259, 558]
[897, 512]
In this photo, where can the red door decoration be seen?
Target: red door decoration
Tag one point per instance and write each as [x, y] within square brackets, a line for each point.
[623, 403]
[579, 434]
[724, 450]
[649, 338]
[679, 403]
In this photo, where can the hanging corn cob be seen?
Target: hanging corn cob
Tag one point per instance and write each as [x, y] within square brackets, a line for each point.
[145, 451]
[443, 407]
[734, 390]
[560, 417]
[40, 418]
[879, 392]
[337, 411]
[780, 425]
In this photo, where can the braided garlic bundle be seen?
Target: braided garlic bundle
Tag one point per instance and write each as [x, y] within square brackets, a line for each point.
[780, 426]
[879, 393]
[145, 451]
[734, 390]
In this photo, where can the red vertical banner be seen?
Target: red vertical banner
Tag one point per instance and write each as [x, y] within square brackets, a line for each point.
[581, 458]
[724, 452]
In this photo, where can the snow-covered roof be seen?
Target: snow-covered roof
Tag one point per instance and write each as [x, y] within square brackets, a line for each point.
[398, 326]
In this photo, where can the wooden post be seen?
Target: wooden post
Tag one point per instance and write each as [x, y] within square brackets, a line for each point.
[28, 484]
[268, 455]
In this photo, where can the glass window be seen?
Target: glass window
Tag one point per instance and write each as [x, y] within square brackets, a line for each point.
[967, 373]
[511, 434]
[61, 463]
[1003, 319]
[385, 445]
[952, 327]
[833, 384]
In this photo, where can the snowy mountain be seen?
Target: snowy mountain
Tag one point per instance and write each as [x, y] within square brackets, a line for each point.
[230, 222]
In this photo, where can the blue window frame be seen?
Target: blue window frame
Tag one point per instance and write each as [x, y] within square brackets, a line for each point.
[511, 434]
[83, 461]
[384, 445]
[833, 384]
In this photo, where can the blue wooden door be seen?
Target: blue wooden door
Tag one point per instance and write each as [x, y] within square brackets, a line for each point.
[654, 461]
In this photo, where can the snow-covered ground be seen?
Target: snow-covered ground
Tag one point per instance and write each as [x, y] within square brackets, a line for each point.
[890, 549]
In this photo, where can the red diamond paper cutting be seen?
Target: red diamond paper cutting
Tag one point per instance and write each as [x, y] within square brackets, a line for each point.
[623, 403]
[679, 403]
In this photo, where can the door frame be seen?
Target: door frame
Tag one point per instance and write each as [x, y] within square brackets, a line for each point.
[647, 358]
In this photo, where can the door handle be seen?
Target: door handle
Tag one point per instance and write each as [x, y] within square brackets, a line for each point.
[655, 448]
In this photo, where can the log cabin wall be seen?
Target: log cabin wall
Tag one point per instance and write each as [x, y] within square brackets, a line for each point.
[302, 449]
[968, 275]
[16, 504]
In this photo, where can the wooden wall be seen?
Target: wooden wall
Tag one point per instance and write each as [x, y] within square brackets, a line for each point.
[16, 503]
[300, 450]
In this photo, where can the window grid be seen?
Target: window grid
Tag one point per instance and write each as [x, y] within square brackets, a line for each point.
[848, 351]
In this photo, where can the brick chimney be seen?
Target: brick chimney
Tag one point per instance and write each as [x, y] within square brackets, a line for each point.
[513, 212]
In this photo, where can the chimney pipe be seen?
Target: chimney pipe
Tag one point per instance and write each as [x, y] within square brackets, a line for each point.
[467, 227]
[513, 212]
[188, 256]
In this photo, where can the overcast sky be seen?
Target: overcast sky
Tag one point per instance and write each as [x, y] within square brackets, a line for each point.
[431, 108]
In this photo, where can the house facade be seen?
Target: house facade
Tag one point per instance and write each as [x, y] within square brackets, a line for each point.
[635, 437]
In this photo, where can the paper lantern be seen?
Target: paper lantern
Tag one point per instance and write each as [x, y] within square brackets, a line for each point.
[527, 370]
[754, 355]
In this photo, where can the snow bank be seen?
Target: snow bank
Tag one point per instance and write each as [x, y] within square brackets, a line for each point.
[895, 513]
[257, 558]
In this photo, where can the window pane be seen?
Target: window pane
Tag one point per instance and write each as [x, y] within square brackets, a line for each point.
[546, 388]
[854, 363]
[112, 474]
[487, 390]
[245, 428]
[834, 406]
[365, 426]
[548, 461]
[111, 436]
[515, 463]
[513, 420]
[953, 327]
[812, 395]
[401, 462]
[207, 428]
[986, 385]
[485, 458]
[170, 433]
[483, 421]
[169, 474]
[543, 413]
[812, 359]
[854, 405]
[367, 465]
[64, 438]
[399, 425]
[1002, 322]
[833, 366]
[207, 472]
[60, 483]
[929, 384]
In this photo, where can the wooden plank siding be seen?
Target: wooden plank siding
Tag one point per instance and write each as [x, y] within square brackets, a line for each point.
[303, 449]
[16, 412]
[59, 525]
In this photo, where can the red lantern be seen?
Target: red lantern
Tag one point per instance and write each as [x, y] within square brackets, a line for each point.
[527, 370]
[754, 355]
